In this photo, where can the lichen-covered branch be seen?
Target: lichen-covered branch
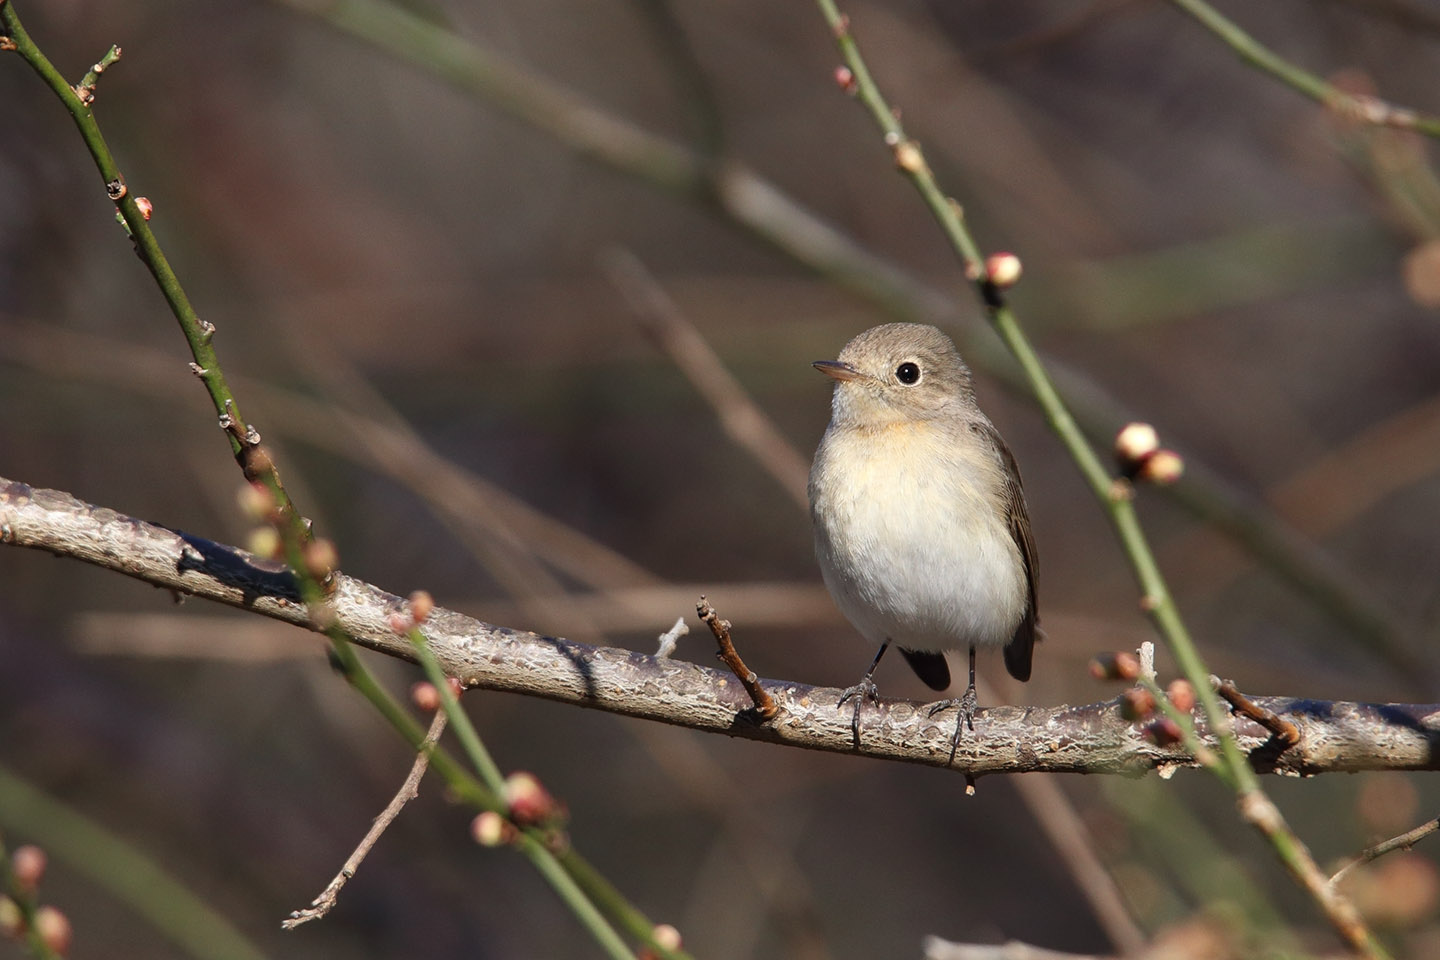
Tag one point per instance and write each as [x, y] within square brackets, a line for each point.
[1091, 738]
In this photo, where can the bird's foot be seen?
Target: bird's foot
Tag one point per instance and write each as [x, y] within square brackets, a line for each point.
[965, 707]
[862, 691]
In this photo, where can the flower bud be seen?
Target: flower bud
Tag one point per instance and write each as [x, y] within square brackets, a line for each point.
[1003, 269]
[1164, 732]
[421, 603]
[1181, 694]
[1162, 468]
[53, 929]
[321, 558]
[1137, 703]
[908, 157]
[256, 501]
[1119, 665]
[529, 802]
[1134, 444]
[490, 829]
[27, 867]
[425, 697]
[12, 921]
[264, 542]
[667, 936]
[845, 80]
[145, 207]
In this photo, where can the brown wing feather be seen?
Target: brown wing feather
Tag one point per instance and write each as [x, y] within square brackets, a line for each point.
[1018, 651]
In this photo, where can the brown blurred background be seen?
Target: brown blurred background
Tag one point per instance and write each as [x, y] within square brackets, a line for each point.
[1222, 256]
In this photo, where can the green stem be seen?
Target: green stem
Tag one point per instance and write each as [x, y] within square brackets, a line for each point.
[27, 902]
[587, 885]
[568, 890]
[459, 720]
[1156, 598]
[1252, 51]
[127, 874]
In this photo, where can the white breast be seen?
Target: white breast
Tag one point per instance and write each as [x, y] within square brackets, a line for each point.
[910, 539]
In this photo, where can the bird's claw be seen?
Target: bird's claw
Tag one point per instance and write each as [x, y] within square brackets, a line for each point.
[965, 706]
[862, 691]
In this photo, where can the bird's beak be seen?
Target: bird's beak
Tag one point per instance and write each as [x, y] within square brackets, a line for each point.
[835, 368]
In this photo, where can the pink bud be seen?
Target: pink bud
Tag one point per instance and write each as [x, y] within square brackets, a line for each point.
[1003, 269]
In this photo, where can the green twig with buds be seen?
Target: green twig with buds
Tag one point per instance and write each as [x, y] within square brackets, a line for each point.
[519, 800]
[135, 212]
[990, 279]
[1367, 109]
[91, 851]
[44, 930]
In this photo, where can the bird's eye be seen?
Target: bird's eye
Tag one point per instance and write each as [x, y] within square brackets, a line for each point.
[907, 373]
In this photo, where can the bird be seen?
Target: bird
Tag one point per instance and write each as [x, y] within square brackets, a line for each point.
[922, 533]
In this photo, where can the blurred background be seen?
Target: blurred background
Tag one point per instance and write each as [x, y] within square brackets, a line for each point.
[427, 305]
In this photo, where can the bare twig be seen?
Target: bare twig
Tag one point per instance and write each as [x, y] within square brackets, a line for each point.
[1093, 738]
[1260, 812]
[1364, 108]
[1071, 838]
[764, 703]
[1285, 731]
[740, 417]
[1403, 842]
[409, 790]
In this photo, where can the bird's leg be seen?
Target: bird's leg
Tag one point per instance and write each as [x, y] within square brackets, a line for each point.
[862, 691]
[965, 705]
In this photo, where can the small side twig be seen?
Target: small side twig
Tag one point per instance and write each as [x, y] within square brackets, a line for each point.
[1366, 109]
[408, 791]
[1403, 842]
[764, 705]
[1285, 732]
[85, 89]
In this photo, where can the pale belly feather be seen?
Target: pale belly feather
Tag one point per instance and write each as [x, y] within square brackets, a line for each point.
[917, 556]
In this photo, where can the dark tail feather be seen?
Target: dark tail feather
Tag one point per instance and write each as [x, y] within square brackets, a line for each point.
[1018, 651]
[932, 668]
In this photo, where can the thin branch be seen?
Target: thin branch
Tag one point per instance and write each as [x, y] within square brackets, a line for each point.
[1403, 842]
[1364, 108]
[1156, 599]
[1071, 837]
[764, 705]
[1260, 812]
[1093, 738]
[408, 791]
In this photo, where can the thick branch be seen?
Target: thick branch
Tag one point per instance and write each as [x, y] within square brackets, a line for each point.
[1093, 738]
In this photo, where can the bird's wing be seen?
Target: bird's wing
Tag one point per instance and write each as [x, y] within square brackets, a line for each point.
[1021, 645]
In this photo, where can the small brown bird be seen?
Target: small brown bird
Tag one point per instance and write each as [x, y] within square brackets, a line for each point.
[921, 528]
